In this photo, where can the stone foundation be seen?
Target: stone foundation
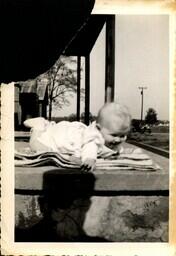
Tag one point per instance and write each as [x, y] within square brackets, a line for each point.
[112, 218]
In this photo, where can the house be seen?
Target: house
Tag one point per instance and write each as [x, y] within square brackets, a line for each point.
[31, 100]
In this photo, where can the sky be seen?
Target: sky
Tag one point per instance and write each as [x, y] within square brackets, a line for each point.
[141, 59]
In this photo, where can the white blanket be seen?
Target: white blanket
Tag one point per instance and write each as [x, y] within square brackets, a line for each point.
[128, 159]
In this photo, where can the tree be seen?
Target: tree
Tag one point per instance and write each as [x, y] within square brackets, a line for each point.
[91, 117]
[72, 117]
[151, 116]
[62, 83]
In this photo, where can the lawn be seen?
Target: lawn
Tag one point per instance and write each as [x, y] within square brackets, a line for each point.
[160, 140]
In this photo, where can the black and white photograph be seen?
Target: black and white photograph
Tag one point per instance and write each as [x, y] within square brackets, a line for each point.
[91, 122]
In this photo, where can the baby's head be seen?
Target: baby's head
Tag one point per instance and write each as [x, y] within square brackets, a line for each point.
[113, 122]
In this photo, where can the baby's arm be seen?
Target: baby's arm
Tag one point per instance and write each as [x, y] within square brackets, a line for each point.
[89, 156]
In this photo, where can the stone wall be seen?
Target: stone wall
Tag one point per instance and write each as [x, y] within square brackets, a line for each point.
[100, 218]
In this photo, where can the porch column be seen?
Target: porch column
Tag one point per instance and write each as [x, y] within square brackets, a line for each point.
[78, 87]
[87, 89]
[110, 58]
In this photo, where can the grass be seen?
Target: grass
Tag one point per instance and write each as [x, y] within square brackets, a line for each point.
[160, 140]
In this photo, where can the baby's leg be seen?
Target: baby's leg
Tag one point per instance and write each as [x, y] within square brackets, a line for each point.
[38, 123]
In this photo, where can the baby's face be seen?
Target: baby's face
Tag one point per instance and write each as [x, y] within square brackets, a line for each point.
[113, 137]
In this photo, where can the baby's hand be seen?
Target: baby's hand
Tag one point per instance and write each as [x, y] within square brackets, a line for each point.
[88, 164]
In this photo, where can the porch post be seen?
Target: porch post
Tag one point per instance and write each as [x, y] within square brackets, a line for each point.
[110, 58]
[78, 87]
[87, 89]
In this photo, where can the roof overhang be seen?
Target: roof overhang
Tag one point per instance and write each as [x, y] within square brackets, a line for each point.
[35, 33]
[87, 36]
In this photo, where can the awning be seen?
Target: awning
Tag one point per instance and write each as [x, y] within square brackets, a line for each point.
[87, 36]
[35, 33]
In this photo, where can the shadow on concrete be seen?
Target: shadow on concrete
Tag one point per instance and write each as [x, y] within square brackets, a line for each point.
[64, 205]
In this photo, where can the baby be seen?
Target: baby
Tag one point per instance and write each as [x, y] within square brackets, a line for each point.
[100, 139]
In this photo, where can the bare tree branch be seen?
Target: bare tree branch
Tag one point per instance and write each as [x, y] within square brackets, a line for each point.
[62, 83]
